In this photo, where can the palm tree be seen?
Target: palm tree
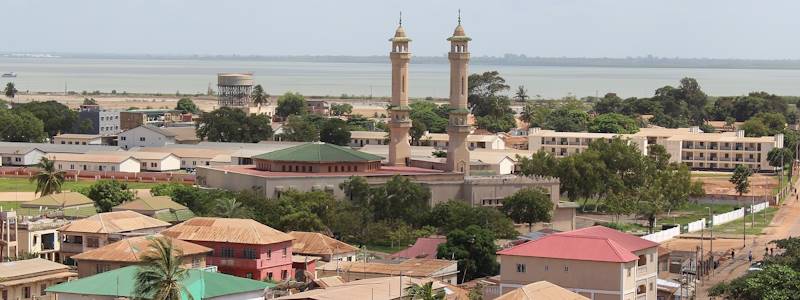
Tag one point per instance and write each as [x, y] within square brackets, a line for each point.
[259, 96]
[160, 275]
[424, 292]
[522, 94]
[230, 208]
[48, 180]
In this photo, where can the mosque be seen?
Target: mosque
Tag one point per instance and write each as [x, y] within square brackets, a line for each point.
[321, 166]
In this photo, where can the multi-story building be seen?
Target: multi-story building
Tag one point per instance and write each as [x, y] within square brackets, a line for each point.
[437, 140]
[25, 235]
[242, 247]
[129, 252]
[28, 279]
[628, 265]
[103, 229]
[104, 122]
[690, 146]
[154, 117]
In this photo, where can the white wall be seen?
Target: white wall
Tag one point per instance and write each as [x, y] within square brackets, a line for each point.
[168, 163]
[128, 165]
[143, 137]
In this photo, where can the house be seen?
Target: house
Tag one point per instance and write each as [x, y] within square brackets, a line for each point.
[159, 207]
[101, 162]
[70, 205]
[541, 290]
[104, 122]
[304, 267]
[129, 252]
[424, 247]
[121, 284]
[103, 229]
[30, 278]
[184, 134]
[156, 161]
[573, 260]
[439, 269]
[242, 247]
[16, 156]
[323, 246]
[379, 288]
[24, 235]
[152, 117]
[77, 139]
[193, 157]
[145, 136]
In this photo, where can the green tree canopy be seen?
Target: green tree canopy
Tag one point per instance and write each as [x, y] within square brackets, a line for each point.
[233, 125]
[530, 205]
[108, 193]
[455, 214]
[521, 95]
[48, 179]
[187, 105]
[567, 119]
[741, 179]
[258, 96]
[11, 90]
[613, 123]
[341, 109]
[300, 129]
[610, 103]
[474, 249]
[21, 127]
[291, 104]
[161, 273]
[56, 117]
[335, 131]
[401, 199]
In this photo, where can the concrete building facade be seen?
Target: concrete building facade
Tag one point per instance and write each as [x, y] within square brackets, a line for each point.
[145, 136]
[458, 128]
[399, 112]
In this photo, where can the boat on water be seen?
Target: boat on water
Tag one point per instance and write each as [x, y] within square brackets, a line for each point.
[9, 75]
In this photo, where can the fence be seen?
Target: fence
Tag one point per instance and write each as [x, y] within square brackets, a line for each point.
[663, 235]
[759, 207]
[728, 216]
[696, 225]
[96, 175]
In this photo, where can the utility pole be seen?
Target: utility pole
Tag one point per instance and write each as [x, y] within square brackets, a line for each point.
[711, 215]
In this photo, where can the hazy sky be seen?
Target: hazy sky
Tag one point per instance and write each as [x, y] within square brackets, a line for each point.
[574, 28]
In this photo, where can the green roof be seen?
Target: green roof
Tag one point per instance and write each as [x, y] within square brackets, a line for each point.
[151, 204]
[320, 153]
[66, 199]
[173, 216]
[120, 283]
[79, 212]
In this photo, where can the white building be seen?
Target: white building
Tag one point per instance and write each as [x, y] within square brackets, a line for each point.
[438, 140]
[21, 156]
[145, 136]
[157, 161]
[77, 139]
[191, 158]
[103, 162]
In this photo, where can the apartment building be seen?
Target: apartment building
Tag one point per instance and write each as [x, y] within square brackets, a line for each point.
[25, 235]
[103, 229]
[437, 140]
[690, 146]
[242, 247]
[573, 260]
[104, 122]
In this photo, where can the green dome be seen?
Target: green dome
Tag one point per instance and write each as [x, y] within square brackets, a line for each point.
[318, 153]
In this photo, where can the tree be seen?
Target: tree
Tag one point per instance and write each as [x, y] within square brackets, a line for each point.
[341, 109]
[300, 129]
[659, 155]
[48, 179]
[21, 127]
[291, 104]
[401, 199]
[741, 179]
[663, 190]
[429, 116]
[566, 119]
[335, 131]
[454, 214]
[530, 205]
[613, 123]
[233, 125]
[424, 292]
[484, 93]
[230, 208]
[755, 127]
[187, 105]
[521, 95]
[474, 249]
[161, 272]
[534, 114]
[541, 163]
[779, 157]
[610, 103]
[56, 117]
[357, 191]
[89, 101]
[108, 193]
[258, 96]
[10, 90]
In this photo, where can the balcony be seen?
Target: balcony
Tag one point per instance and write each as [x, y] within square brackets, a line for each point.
[71, 247]
[233, 262]
[641, 271]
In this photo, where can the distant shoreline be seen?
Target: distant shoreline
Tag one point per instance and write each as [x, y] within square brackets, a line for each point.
[507, 60]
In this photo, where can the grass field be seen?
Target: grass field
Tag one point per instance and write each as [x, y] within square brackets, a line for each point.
[8, 205]
[23, 185]
[735, 227]
[386, 249]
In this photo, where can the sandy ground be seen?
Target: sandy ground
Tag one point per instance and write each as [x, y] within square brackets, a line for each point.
[759, 184]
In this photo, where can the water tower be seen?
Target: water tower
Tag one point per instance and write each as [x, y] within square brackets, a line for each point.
[234, 89]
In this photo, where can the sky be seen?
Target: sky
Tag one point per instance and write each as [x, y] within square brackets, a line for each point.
[767, 29]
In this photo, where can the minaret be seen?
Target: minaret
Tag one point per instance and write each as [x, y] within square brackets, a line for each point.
[399, 146]
[458, 129]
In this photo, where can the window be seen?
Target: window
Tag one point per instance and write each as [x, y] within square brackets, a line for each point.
[249, 275]
[92, 242]
[520, 268]
[153, 165]
[44, 287]
[546, 268]
[284, 274]
[566, 269]
[17, 159]
[195, 262]
[249, 253]
[227, 252]
[269, 275]
[26, 292]
[642, 260]
[269, 254]
[194, 162]
[4, 295]
[285, 250]
[62, 142]
[72, 167]
[35, 239]
[141, 139]
[122, 138]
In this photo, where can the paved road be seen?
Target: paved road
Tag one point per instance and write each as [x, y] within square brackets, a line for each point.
[786, 223]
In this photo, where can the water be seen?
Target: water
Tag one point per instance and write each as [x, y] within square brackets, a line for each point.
[318, 78]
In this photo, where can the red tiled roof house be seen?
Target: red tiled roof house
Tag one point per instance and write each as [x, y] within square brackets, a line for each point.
[596, 262]
[242, 247]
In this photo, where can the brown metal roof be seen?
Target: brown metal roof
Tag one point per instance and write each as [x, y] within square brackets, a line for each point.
[15, 270]
[541, 290]
[315, 243]
[130, 249]
[411, 267]
[240, 231]
[113, 222]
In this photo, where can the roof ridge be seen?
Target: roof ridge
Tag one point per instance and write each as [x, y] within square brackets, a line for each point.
[617, 248]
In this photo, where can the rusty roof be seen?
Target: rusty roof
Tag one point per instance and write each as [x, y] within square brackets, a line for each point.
[130, 249]
[113, 222]
[30, 267]
[226, 230]
[416, 267]
[541, 290]
[318, 244]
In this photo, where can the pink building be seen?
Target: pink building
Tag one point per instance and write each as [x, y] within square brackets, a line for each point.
[242, 247]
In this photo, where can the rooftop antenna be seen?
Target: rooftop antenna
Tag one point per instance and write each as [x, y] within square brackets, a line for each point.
[459, 16]
[401, 18]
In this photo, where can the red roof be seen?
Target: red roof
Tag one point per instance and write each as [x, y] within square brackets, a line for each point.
[422, 248]
[595, 243]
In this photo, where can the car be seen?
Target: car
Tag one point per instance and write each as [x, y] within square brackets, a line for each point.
[755, 267]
